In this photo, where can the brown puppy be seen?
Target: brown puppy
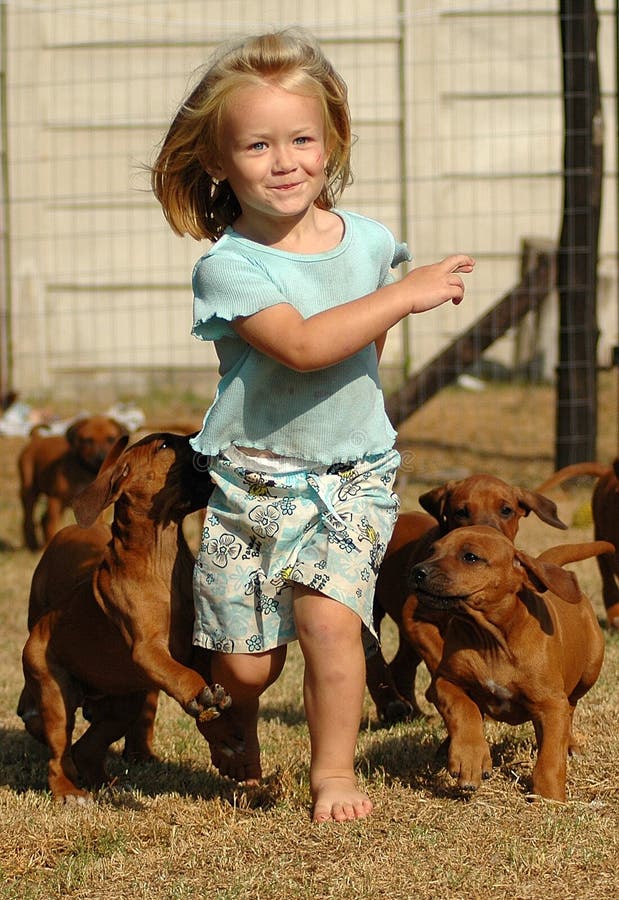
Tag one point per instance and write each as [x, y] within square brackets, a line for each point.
[522, 644]
[477, 500]
[605, 509]
[59, 467]
[111, 612]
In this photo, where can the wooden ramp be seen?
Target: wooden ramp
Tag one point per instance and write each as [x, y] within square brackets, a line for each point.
[536, 283]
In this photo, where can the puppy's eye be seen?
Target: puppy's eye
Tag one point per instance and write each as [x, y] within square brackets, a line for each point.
[507, 511]
[461, 513]
[469, 557]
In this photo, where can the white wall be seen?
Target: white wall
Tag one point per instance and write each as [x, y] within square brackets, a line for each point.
[101, 287]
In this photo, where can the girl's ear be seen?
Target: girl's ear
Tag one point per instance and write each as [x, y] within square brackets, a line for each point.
[216, 172]
[212, 167]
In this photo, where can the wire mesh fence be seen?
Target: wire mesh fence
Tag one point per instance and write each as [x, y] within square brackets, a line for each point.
[458, 116]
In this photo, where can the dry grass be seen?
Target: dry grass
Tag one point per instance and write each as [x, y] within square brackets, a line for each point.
[174, 829]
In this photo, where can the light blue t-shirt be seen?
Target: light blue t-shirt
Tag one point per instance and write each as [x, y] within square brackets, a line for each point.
[331, 415]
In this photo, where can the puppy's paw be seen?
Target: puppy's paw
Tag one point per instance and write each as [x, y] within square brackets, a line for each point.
[73, 797]
[469, 765]
[210, 702]
[612, 614]
[398, 710]
[577, 743]
[78, 799]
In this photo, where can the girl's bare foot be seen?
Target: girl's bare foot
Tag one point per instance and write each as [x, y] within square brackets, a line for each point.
[233, 742]
[338, 799]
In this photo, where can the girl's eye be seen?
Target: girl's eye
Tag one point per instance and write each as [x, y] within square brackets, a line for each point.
[259, 145]
[302, 140]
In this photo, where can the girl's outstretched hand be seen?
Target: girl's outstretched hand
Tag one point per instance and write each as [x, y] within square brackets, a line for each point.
[432, 285]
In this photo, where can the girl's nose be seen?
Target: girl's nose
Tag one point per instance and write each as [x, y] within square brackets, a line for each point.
[283, 160]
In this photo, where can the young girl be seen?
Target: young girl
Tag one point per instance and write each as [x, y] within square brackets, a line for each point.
[297, 297]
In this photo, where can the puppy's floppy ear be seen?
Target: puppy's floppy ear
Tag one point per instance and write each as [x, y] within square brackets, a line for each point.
[73, 430]
[546, 576]
[433, 502]
[105, 489]
[544, 509]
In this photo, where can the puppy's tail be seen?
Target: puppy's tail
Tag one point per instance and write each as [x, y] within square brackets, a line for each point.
[595, 469]
[569, 553]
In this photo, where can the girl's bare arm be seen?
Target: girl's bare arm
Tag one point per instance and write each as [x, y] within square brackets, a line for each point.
[335, 334]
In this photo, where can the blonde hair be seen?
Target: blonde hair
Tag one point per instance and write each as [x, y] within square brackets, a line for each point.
[193, 201]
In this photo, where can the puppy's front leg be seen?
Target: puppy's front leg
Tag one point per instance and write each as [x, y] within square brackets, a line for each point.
[403, 669]
[391, 706]
[552, 724]
[183, 684]
[426, 638]
[29, 530]
[139, 737]
[610, 591]
[52, 518]
[468, 758]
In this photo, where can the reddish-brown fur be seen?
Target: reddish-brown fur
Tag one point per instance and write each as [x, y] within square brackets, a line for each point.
[522, 643]
[58, 467]
[476, 500]
[605, 510]
[111, 613]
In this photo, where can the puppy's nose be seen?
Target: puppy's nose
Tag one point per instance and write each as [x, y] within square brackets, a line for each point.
[418, 575]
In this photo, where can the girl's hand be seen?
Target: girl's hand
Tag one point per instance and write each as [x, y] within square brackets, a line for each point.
[432, 285]
[334, 334]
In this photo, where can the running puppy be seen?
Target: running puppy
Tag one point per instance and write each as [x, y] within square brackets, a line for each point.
[111, 613]
[522, 643]
[58, 467]
[476, 500]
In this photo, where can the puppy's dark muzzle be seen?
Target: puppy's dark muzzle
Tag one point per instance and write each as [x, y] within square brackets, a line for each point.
[93, 461]
[418, 577]
[422, 582]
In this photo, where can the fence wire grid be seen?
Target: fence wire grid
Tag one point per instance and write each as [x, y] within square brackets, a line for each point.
[457, 112]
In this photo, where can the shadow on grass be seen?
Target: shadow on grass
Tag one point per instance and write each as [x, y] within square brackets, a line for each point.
[7, 547]
[417, 758]
[412, 756]
[23, 767]
[282, 713]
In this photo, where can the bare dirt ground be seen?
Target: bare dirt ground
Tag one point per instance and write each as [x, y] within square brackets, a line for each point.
[506, 430]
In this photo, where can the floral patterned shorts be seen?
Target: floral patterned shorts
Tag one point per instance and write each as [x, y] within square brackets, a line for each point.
[270, 526]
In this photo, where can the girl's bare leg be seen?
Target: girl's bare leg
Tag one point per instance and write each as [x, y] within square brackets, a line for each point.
[233, 737]
[330, 637]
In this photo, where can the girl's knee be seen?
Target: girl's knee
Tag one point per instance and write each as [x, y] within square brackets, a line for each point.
[248, 672]
[324, 622]
[273, 663]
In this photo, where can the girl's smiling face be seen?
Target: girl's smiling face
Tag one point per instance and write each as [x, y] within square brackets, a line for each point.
[273, 155]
